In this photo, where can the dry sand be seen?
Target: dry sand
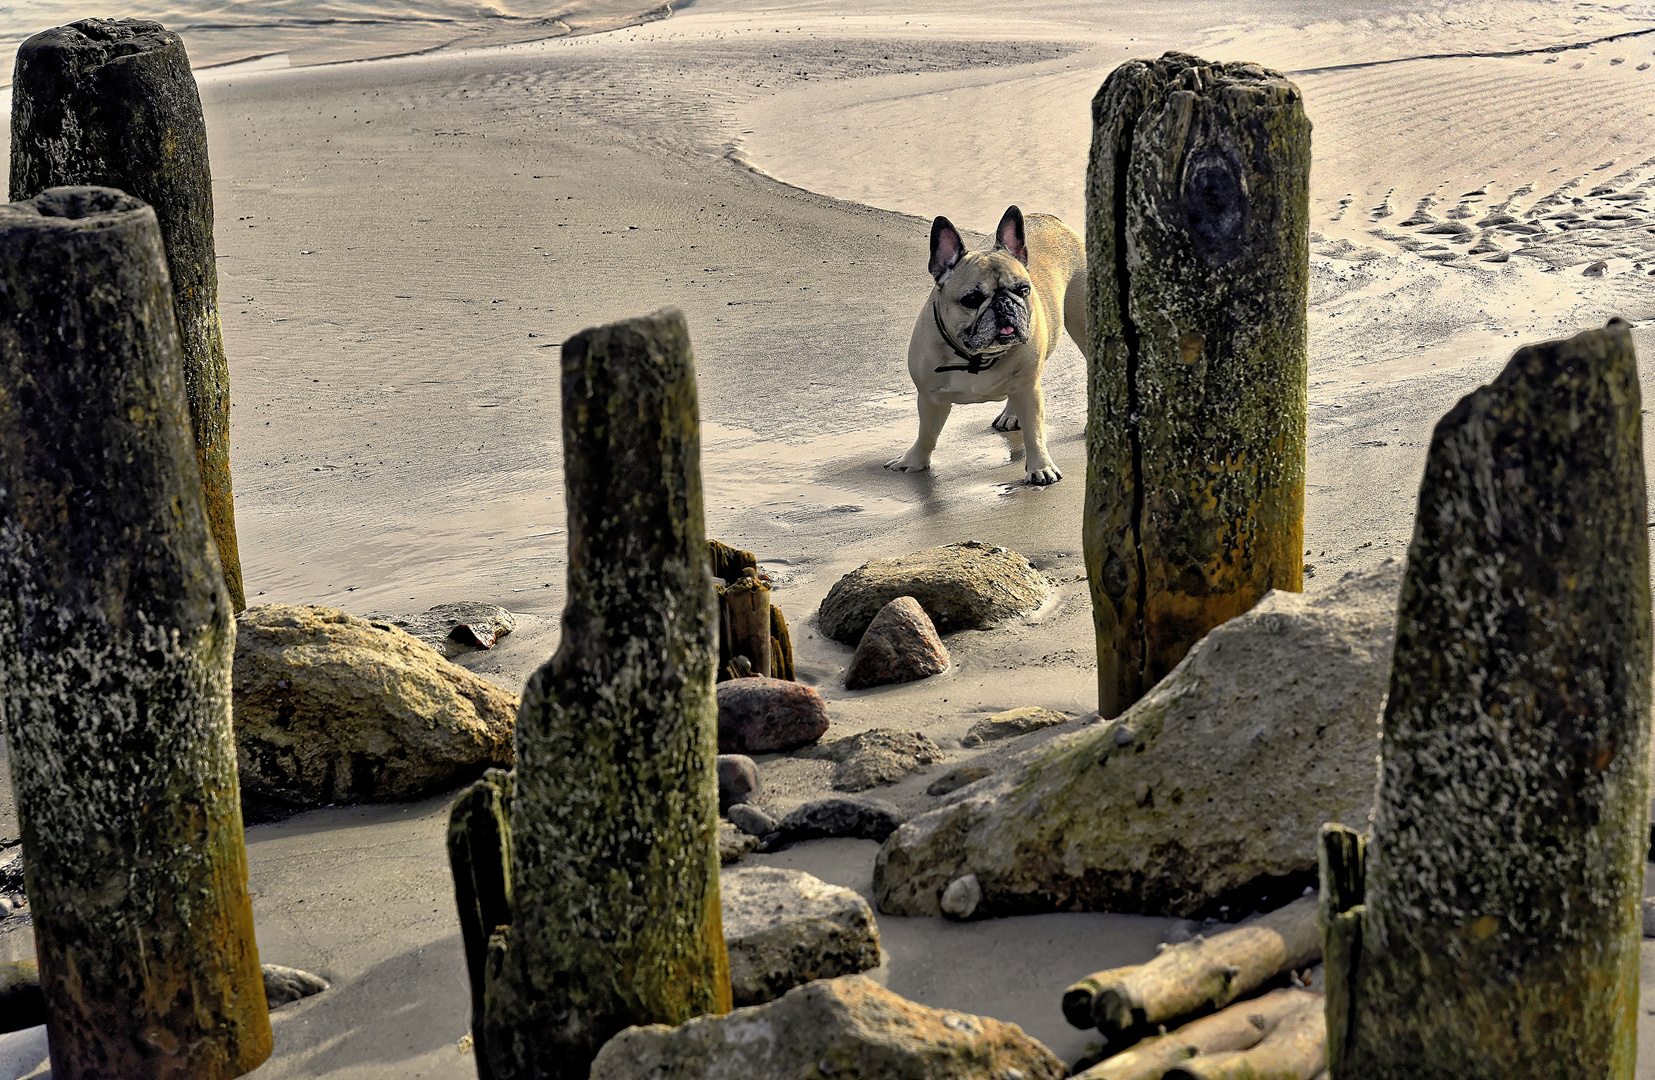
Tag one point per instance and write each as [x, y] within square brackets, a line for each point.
[404, 243]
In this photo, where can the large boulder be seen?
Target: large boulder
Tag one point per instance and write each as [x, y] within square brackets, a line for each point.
[961, 586]
[331, 708]
[900, 645]
[1217, 779]
[784, 928]
[849, 1028]
[761, 715]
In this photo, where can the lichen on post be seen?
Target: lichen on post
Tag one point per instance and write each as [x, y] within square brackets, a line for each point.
[116, 638]
[1499, 912]
[112, 102]
[614, 856]
[1197, 242]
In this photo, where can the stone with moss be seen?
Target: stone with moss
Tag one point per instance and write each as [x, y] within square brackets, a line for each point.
[849, 1028]
[1211, 786]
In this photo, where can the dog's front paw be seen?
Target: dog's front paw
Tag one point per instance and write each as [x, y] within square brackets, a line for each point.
[1006, 421]
[1042, 477]
[906, 464]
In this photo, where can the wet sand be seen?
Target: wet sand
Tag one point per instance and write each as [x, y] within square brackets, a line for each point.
[404, 243]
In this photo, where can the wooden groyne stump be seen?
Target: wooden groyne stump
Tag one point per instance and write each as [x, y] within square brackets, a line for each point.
[1197, 243]
[116, 639]
[613, 878]
[1490, 927]
[113, 103]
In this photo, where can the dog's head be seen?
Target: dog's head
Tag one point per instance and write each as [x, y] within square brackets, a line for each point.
[983, 296]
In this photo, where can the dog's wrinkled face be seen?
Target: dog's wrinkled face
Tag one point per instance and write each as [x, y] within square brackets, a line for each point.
[986, 302]
[983, 296]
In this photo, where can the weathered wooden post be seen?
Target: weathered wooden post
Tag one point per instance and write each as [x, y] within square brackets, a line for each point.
[614, 856]
[1197, 245]
[116, 638]
[1490, 926]
[112, 102]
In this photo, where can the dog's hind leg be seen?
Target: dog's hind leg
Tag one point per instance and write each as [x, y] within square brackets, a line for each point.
[1007, 420]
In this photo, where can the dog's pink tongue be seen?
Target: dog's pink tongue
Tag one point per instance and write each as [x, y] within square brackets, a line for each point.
[1007, 331]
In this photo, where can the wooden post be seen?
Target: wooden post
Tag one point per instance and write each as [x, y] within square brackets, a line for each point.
[479, 854]
[116, 638]
[1197, 244]
[1499, 916]
[614, 854]
[113, 103]
[746, 619]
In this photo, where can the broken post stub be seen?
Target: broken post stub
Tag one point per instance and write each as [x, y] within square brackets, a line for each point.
[113, 103]
[1490, 926]
[1197, 242]
[116, 638]
[614, 854]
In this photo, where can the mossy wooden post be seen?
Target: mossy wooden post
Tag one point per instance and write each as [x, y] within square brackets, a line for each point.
[614, 855]
[1197, 244]
[479, 854]
[745, 618]
[112, 103]
[1499, 924]
[116, 638]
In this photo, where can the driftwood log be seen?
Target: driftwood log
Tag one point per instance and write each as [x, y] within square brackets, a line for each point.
[1199, 975]
[114, 104]
[1490, 927]
[1295, 1049]
[1264, 1027]
[1197, 244]
[116, 636]
[615, 915]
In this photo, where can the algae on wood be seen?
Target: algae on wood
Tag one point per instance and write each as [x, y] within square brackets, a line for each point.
[1197, 242]
[113, 103]
[116, 638]
[1499, 918]
[614, 857]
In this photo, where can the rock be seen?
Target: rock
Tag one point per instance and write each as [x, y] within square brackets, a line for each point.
[784, 928]
[752, 820]
[285, 984]
[5, 907]
[1649, 916]
[762, 715]
[871, 758]
[960, 586]
[899, 646]
[1228, 769]
[962, 897]
[957, 779]
[461, 627]
[330, 708]
[849, 1028]
[11, 873]
[1595, 269]
[738, 780]
[1012, 723]
[733, 844]
[862, 817]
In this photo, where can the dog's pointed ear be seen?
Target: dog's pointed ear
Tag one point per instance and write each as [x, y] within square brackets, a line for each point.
[947, 248]
[1008, 235]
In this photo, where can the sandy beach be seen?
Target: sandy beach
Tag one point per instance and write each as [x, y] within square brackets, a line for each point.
[403, 244]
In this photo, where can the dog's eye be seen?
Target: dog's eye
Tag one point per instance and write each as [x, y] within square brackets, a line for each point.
[974, 298]
[1021, 288]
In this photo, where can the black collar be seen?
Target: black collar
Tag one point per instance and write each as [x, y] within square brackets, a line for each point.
[973, 364]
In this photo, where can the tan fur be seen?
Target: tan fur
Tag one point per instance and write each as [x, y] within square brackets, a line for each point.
[1056, 271]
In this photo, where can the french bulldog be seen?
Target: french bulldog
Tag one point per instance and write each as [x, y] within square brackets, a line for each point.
[987, 328]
